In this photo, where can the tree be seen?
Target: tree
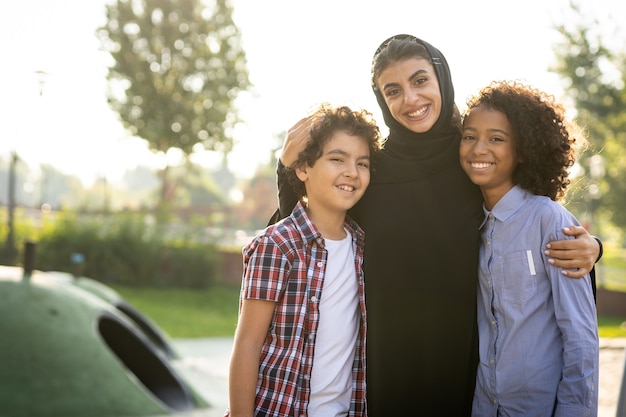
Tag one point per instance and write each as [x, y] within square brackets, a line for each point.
[260, 193]
[178, 66]
[595, 78]
[198, 188]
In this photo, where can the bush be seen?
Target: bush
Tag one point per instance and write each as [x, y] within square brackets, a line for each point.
[125, 250]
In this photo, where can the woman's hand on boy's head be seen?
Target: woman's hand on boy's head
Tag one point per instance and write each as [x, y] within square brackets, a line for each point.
[295, 141]
[576, 256]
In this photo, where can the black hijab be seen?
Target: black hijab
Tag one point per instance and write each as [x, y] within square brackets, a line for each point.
[436, 149]
[418, 193]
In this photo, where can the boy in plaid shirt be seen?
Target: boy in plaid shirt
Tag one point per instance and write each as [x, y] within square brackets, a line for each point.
[299, 347]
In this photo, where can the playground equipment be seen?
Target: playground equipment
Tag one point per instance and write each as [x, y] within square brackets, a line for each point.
[71, 346]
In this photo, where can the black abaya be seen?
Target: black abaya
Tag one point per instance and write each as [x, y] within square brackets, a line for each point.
[421, 216]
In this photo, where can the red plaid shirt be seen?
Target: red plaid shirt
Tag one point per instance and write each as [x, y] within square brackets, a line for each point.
[286, 264]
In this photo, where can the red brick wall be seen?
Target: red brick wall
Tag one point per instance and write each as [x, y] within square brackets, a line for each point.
[232, 267]
[611, 303]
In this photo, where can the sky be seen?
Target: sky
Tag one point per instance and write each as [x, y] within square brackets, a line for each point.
[300, 53]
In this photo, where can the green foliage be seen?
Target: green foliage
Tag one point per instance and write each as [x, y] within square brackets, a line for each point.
[595, 79]
[45, 184]
[196, 187]
[178, 67]
[615, 258]
[611, 270]
[614, 198]
[126, 250]
[180, 64]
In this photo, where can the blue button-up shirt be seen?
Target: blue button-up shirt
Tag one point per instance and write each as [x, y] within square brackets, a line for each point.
[537, 328]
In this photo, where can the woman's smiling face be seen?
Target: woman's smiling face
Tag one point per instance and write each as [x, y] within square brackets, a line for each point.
[411, 90]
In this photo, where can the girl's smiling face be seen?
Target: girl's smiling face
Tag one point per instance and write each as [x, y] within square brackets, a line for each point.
[487, 152]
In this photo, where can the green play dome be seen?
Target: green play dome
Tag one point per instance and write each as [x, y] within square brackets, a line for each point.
[72, 347]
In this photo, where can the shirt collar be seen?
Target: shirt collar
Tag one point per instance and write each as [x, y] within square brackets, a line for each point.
[310, 233]
[306, 228]
[508, 204]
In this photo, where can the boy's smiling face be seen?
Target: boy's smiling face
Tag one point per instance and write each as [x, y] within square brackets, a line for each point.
[340, 176]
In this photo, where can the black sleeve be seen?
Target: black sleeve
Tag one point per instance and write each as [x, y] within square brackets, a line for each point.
[600, 244]
[287, 199]
[592, 273]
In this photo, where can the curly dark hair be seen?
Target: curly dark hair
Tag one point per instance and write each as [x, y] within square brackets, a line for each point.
[325, 121]
[546, 141]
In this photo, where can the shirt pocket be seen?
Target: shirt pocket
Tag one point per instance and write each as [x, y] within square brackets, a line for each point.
[517, 276]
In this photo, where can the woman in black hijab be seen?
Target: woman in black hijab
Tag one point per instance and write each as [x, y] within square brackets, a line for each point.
[421, 216]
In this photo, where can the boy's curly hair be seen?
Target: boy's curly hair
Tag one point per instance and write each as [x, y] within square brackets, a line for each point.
[326, 120]
[546, 141]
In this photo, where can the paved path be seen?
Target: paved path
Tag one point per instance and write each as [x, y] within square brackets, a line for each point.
[206, 365]
[612, 365]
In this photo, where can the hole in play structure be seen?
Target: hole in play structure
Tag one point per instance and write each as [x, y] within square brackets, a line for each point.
[146, 326]
[142, 360]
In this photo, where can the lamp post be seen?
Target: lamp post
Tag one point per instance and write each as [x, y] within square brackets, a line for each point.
[10, 250]
[41, 80]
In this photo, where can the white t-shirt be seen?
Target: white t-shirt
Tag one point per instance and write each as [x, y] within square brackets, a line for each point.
[331, 376]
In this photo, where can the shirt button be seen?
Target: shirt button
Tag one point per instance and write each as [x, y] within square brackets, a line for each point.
[320, 264]
[314, 299]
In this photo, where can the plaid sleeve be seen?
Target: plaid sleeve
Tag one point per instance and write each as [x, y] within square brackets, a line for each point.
[266, 268]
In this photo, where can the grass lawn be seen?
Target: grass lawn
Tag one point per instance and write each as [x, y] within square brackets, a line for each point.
[183, 313]
[609, 326]
[213, 312]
